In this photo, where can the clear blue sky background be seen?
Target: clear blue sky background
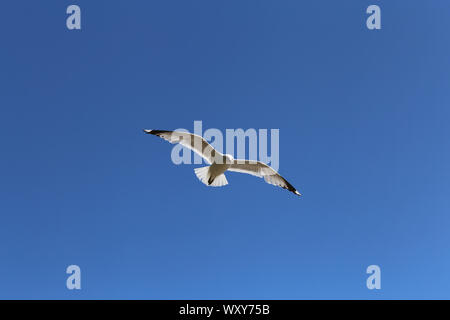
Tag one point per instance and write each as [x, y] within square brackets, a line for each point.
[364, 135]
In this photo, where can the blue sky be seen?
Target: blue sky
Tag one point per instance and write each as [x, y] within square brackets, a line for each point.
[363, 118]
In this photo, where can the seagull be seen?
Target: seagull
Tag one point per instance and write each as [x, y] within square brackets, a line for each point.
[213, 175]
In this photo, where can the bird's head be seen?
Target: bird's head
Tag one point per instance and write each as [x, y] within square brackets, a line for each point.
[223, 158]
[228, 158]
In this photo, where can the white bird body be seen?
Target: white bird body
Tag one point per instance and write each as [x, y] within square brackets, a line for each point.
[213, 175]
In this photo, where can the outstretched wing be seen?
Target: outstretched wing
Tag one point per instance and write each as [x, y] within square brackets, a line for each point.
[188, 140]
[262, 170]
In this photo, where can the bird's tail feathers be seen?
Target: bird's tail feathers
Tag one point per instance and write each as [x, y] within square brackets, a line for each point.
[219, 181]
[204, 175]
